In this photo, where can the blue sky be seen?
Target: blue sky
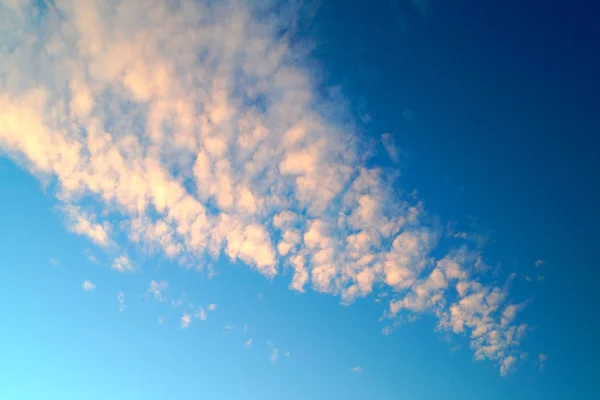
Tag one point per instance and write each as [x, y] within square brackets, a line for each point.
[224, 201]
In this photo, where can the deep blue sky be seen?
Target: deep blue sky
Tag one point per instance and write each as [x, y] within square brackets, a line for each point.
[493, 106]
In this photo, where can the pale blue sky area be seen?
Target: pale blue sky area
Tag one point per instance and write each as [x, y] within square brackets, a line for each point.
[375, 200]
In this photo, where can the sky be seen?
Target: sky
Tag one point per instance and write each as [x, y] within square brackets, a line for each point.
[298, 200]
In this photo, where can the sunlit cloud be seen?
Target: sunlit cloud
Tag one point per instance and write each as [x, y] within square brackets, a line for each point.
[221, 144]
[88, 286]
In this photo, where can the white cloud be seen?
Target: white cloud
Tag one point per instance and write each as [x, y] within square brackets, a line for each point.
[248, 343]
[157, 289]
[356, 369]
[88, 286]
[186, 320]
[234, 153]
[201, 314]
[274, 355]
[211, 307]
[122, 264]
[540, 263]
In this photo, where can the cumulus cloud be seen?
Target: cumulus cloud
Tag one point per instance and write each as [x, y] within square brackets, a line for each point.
[186, 320]
[88, 286]
[194, 130]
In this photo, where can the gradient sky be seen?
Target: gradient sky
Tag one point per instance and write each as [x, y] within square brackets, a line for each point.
[343, 200]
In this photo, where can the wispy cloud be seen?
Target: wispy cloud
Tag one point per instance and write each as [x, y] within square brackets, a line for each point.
[540, 263]
[248, 343]
[121, 299]
[211, 152]
[88, 286]
[157, 289]
[542, 359]
[356, 369]
[122, 264]
[53, 261]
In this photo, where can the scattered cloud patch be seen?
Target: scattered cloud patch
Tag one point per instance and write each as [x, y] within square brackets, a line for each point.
[248, 343]
[211, 307]
[157, 290]
[121, 300]
[540, 263]
[356, 369]
[122, 264]
[186, 320]
[507, 365]
[88, 286]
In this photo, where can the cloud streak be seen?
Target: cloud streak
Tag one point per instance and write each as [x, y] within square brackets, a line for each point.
[194, 130]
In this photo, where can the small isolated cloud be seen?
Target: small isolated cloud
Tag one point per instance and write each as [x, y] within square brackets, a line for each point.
[274, 355]
[387, 330]
[122, 264]
[287, 354]
[89, 254]
[88, 286]
[542, 358]
[356, 369]
[201, 314]
[245, 328]
[390, 147]
[186, 320]
[540, 263]
[121, 299]
[227, 328]
[157, 289]
[248, 343]
[160, 320]
[507, 365]
[53, 261]
[408, 114]
[211, 307]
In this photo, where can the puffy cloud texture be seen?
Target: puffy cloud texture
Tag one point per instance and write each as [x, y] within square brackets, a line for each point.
[195, 129]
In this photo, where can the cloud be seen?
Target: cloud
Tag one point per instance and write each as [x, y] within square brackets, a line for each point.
[89, 254]
[542, 359]
[248, 343]
[160, 320]
[390, 147]
[122, 264]
[186, 320]
[507, 365]
[53, 261]
[356, 369]
[211, 307]
[201, 314]
[88, 286]
[195, 131]
[274, 355]
[121, 299]
[540, 263]
[157, 289]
